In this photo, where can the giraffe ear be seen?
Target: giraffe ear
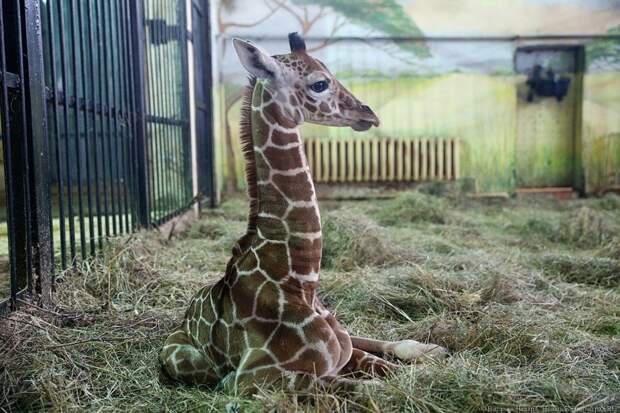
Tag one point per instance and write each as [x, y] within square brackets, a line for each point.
[296, 42]
[257, 62]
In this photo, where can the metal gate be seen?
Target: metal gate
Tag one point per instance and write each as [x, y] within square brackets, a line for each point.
[96, 129]
[201, 29]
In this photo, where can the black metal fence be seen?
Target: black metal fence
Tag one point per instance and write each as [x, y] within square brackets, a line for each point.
[95, 127]
[167, 107]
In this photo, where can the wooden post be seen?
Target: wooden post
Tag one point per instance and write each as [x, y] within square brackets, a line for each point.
[423, 159]
[407, 156]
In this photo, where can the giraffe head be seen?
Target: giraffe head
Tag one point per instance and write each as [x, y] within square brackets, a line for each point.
[304, 87]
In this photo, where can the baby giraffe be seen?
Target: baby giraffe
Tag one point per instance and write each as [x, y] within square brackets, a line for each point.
[263, 322]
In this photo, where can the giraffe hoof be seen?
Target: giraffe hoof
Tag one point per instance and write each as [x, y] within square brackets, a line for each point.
[436, 352]
[410, 350]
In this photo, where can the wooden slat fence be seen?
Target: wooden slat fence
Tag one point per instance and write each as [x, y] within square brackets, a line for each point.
[382, 160]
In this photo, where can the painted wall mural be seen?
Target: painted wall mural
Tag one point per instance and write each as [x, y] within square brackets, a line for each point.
[465, 88]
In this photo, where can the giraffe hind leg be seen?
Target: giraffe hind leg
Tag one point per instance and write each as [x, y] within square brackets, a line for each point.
[363, 363]
[182, 362]
[406, 350]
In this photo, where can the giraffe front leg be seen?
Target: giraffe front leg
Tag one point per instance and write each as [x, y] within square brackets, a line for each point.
[181, 361]
[406, 350]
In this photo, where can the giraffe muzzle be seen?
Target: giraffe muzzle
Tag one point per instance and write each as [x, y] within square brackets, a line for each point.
[363, 125]
[365, 119]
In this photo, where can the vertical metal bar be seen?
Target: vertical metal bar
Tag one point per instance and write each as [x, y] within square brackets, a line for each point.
[186, 144]
[105, 114]
[111, 99]
[142, 150]
[113, 119]
[117, 113]
[8, 150]
[162, 151]
[175, 103]
[24, 172]
[57, 120]
[128, 173]
[155, 127]
[87, 131]
[117, 121]
[117, 93]
[193, 100]
[159, 132]
[76, 114]
[132, 116]
[39, 160]
[183, 147]
[148, 34]
[91, 48]
[107, 130]
[64, 77]
[169, 134]
[207, 164]
[124, 108]
[179, 148]
[167, 110]
[150, 64]
[161, 74]
[115, 138]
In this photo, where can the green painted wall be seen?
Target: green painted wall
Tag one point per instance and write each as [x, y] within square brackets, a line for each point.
[601, 131]
[482, 111]
[433, 107]
[463, 89]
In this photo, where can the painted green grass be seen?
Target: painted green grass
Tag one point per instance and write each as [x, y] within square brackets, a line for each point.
[524, 294]
[431, 107]
[478, 109]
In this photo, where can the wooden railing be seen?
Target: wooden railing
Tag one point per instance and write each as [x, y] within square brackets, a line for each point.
[382, 160]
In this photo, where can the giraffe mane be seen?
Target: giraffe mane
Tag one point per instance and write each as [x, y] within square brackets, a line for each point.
[247, 148]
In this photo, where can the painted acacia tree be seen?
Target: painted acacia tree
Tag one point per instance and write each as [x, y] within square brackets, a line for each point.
[382, 17]
[604, 54]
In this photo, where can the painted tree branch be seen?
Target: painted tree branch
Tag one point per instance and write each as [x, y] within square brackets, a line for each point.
[339, 23]
[224, 26]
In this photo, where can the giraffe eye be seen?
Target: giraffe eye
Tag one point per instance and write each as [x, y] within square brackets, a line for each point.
[319, 86]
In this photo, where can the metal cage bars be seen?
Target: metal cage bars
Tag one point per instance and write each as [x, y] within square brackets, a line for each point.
[167, 117]
[95, 126]
[90, 108]
[24, 141]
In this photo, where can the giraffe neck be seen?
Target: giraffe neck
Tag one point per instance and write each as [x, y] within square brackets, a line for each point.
[288, 211]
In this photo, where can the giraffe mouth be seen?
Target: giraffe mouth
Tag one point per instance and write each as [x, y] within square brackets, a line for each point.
[363, 125]
[364, 118]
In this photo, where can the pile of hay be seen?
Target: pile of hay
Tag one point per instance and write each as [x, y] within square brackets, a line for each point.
[588, 227]
[414, 206]
[579, 225]
[532, 321]
[611, 249]
[589, 270]
[352, 239]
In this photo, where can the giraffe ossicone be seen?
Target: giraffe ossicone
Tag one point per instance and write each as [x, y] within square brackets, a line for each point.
[263, 321]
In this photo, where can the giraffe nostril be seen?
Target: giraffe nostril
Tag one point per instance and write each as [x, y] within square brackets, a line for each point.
[366, 109]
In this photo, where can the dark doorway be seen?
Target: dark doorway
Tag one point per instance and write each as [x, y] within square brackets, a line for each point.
[548, 107]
